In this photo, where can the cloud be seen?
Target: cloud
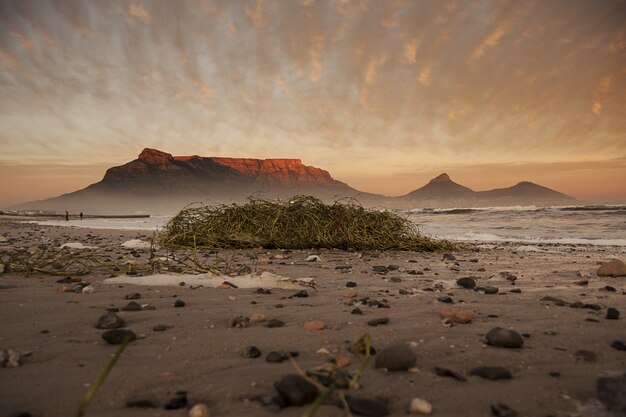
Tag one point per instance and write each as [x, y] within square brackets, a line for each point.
[315, 52]
[410, 51]
[490, 41]
[256, 14]
[7, 60]
[424, 76]
[26, 42]
[140, 12]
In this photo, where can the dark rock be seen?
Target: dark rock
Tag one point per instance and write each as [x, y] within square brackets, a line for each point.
[504, 338]
[398, 357]
[612, 313]
[357, 311]
[179, 303]
[133, 296]
[301, 294]
[239, 321]
[132, 306]
[274, 323]
[608, 288]
[447, 372]
[343, 267]
[367, 407]
[275, 357]
[491, 290]
[395, 279]
[582, 283]
[393, 267]
[295, 390]
[110, 320]
[611, 391]
[449, 257]
[176, 402]
[251, 352]
[466, 282]
[516, 290]
[596, 307]
[160, 328]
[445, 299]
[585, 355]
[378, 321]
[618, 344]
[142, 403]
[503, 410]
[491, 372]
[379, 269]
[555, 374]
[118, 336]
[350, 284]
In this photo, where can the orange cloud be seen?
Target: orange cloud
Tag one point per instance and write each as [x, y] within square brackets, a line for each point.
[256, 14]
[7, 60]
[26, 42]
[410, 51]
[424, 76]
[138, 11]
[315, 53]
[618, 43]
[490, 41]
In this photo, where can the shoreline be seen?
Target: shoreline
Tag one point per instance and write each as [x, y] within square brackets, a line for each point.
[565, 348]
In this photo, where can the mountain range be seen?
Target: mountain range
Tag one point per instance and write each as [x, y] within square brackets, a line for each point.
[157, 182]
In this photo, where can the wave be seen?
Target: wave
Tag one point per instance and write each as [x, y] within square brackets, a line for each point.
[488, 237]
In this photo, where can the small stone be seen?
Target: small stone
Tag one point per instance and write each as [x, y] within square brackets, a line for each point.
[133, 296]
[160, 328]
[110, 320]
[357, 311]
[10, 358]
[378, 321]
[301, 294]
[351, 294]
[395, 279]
[118, 336]
[447, 372]
[611, 391]
[239, 321]
[612, 313]
[275, 357]
[274, 323]
[314, 325]
[132, 306]
[488, 290]
[504, 338]
[350, 284]
[89, 289]
[142, 403]
[257, 318]
[618, 344]
[516, 290]
[179, 303]
[343, 267]
[295, 390]
[445, 299]
[313, 258]
[420, 406]
[398, 357]
[492, 373]
[179, 400]
[466, 282]
[585, 355]
[366, 407]
[615, 268]
[503, 410]
[449, 257]
[503, 276]
[199, 410]
[251, 352]
[342, 361]
[457, 316]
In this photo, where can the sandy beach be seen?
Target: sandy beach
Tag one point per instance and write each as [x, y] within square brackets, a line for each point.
[549, 294]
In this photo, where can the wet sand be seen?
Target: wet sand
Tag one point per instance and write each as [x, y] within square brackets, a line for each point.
[565, 349]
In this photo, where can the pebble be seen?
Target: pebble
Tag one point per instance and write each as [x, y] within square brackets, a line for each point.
[612, 313]
[503, 276]
[585, 355]
[295, 390]
[132, 306]
[350, 284]
[314, 325]
[378, 321]
[160, 328]
[466, 282]
[251, 352]
[504, 338]
[487, 290]
[618, 344]
[10, 358]
[611, 391]
[142, 403]
[351, 294]
[447, 372]
[357, 311]
[257, 318]
[301, 294]
[110, 320]
[366, 407]
[133, 296]
[420, 406]
[274, 323]
[89, 289]
[445, 299]
[492, 373]
[457, 316]
[117, 336]
[449, 257]
[239, 321]
[199, 410]
[398, 357]
[503, 410]
[179, 400]
[313, 258]
[342, 361]
[179, 303]
[615, 268]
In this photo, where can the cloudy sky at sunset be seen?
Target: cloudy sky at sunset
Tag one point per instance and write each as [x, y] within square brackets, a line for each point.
[383, 94]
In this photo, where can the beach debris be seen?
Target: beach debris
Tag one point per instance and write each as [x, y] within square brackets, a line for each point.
[251, 352]
[503, 276]
[89, 289]
[612, 313]
[119, 336]
[110, 320]
[258, 318]
[506, 338]
[487, 290]
[399, 357]
[457, 316]
[199, 410]
[420, 406]
[76, 245]
[179, 303]
[314, 325]
[466, 282]
[295, 390]
[614, 268]
[313, 258]
[448, 372]
[492, 373]
[503, 410]
[10, 358]
[136, 244]
[611, 391]
[364, 406]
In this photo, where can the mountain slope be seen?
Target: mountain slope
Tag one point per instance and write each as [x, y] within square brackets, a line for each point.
[441, 187]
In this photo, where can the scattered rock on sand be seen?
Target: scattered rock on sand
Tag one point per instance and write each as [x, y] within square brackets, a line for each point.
[251, 352]
[258, 318]
[179, 303]
[366, 407]
[492, 373]
[503, 276]
[314, 325]
[179, 400]
[466, 282]
[398, 357]
[619, 345]
[117, 336]
[199, 410]
[504, 338]
[133, 296]
[503, 410]
[160, 328]
[239, 321]
[457, 316]
[295, 390]
[141, 402]
[378, 322]
[110, 320]
[132, 306]
[585, 355]
[615, 268]
[447, 372]
[313, 258]
[612, 313]
[10, 358]
[420, 406]
[273, 323]
[611, 390]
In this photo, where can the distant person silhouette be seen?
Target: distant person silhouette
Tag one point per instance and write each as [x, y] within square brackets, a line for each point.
[81, 215]
[67, 215]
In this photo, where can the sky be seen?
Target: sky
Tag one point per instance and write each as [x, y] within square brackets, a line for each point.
[383, 94]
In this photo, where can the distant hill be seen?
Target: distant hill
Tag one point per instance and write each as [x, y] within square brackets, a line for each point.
[159, 183]
[441, 191]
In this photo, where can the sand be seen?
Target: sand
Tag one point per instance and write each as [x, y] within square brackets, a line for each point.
[200, 354]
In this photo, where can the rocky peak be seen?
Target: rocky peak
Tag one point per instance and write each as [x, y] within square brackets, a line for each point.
[154, 156]
[441, 178]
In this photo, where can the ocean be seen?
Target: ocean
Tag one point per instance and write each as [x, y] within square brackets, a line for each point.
[603, 225]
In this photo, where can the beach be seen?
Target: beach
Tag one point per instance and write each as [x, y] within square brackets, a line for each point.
[549, 294]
